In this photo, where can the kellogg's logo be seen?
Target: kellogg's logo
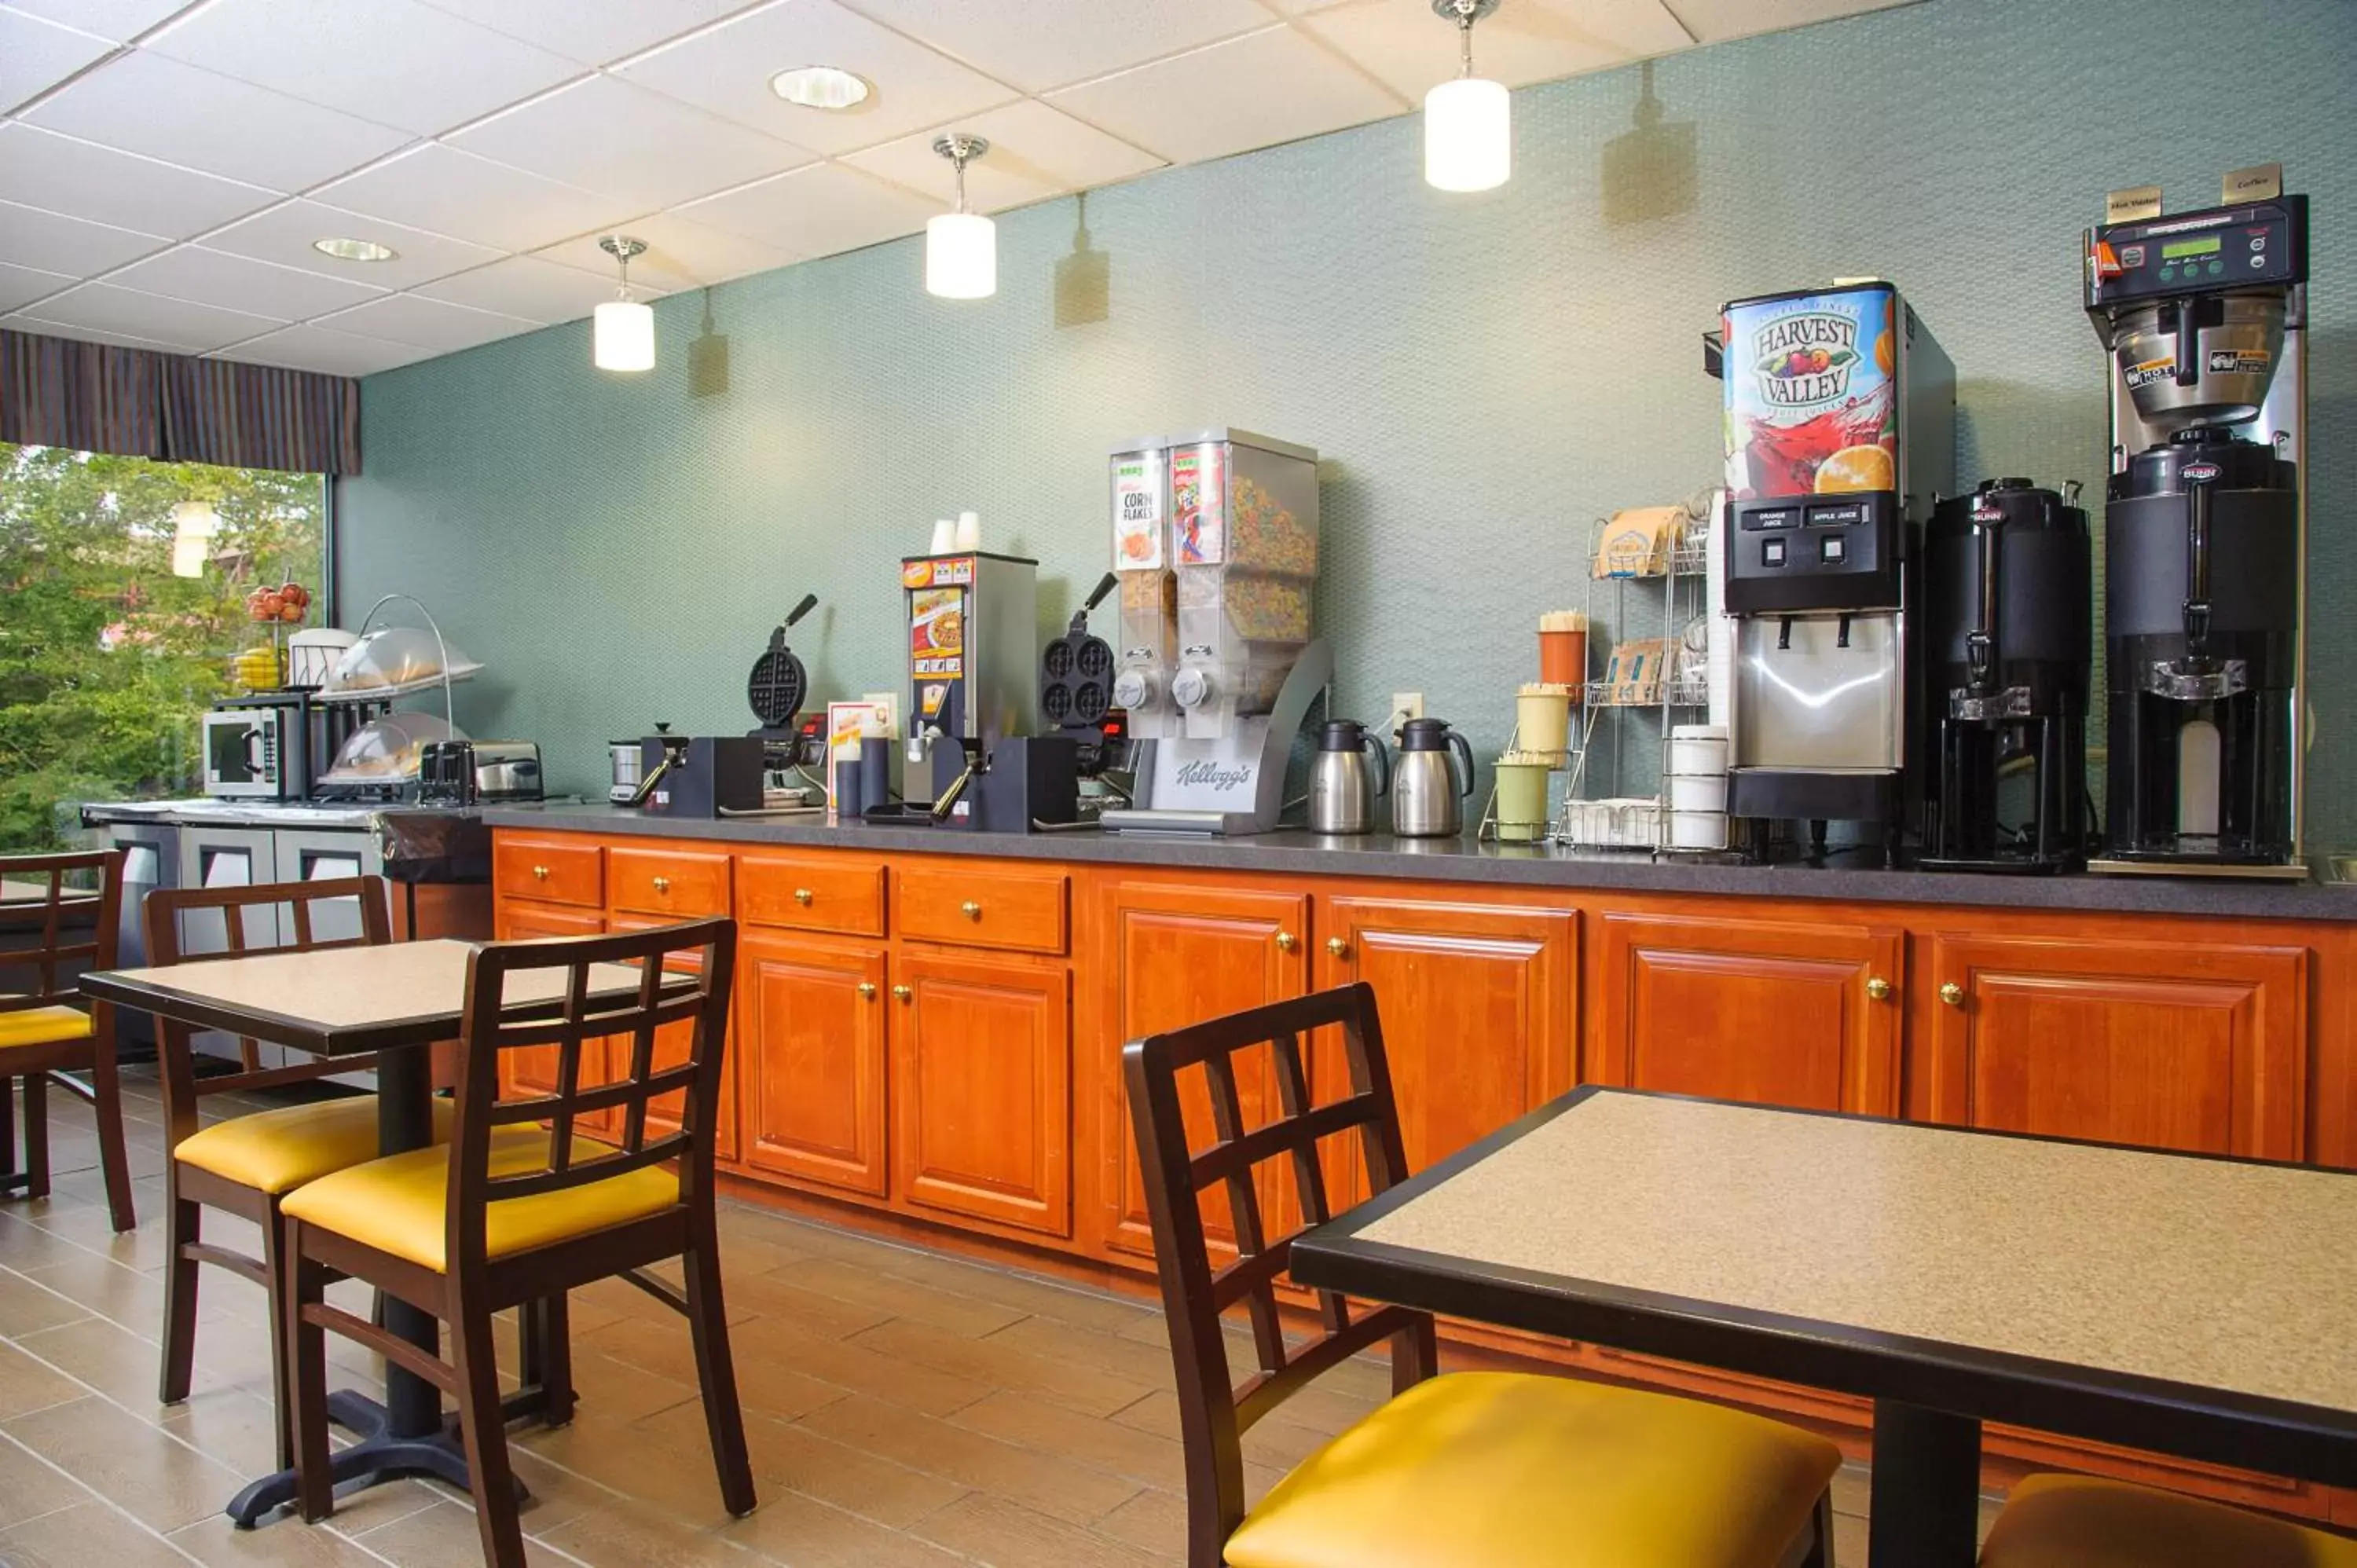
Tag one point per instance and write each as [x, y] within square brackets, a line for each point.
[1217, 777]
[1804, 358]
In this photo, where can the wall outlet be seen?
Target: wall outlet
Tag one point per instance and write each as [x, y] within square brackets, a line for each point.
[1408, 705]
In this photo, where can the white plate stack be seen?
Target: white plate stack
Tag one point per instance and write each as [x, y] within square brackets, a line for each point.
[1698, 787]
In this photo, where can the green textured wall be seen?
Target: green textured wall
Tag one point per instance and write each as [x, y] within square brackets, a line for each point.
[1483, 375]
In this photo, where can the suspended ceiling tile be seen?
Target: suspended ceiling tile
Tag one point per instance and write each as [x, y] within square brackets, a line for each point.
[1255, 91]
[680, 253]
[1403, 43]
[82, 179]
[1713, 20]
[285, 235]
[307, 348]
[1037, 46]
[394, 61]
[449, 192]
[608, 136]
[239, 282]
[529, 287]
[121, 20]
[426, 323]
[54, 242]
[23, 286]
[1035, 152]
[144, 103]
[817, 211]
[19, 322]
[593, 32]
[35, 56]
[105, 308]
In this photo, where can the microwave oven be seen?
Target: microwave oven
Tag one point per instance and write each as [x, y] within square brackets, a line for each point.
[256, 753]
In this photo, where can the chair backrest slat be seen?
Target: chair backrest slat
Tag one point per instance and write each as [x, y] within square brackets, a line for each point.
[64, 933]
[1215, 1410]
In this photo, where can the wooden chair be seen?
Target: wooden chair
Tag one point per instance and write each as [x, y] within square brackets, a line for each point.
[1505, 1469]
[485, 1225]
[2078, 1521]
[47, 1029]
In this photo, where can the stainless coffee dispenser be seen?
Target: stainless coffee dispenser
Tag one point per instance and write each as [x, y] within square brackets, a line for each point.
[974, 625]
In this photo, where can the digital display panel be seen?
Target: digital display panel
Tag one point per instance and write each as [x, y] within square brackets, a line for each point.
[2177, 249]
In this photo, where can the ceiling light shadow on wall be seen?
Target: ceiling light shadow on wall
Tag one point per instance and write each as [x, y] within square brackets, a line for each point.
[1650, 171]
[1084, 278]
[708, 357]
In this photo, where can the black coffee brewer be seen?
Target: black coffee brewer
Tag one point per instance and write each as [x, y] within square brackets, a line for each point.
[2008, 651]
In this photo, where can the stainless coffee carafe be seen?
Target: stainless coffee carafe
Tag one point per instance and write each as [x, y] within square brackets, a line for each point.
[1342, 795]
[1428, 794]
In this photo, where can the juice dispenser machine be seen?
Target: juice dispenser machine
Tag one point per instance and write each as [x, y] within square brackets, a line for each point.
[1215, 541]
[973, 621]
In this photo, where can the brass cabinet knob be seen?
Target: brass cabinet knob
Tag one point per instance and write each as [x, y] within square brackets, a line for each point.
[662, 883]
[1284, 942]
[804, 895]
[1337, 947]
[867, 990]
[1879, 988]
[1952, 994]
[902, 993]
[970, 909]
[540, 873]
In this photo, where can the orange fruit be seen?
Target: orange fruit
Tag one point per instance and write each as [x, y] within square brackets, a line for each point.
[1882, 350]
[1857, 469]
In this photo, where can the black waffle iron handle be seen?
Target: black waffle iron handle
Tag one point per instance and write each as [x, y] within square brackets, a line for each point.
[810, 602]
[1096, 596]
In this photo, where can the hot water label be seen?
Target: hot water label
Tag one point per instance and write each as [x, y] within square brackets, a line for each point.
[1812, 407]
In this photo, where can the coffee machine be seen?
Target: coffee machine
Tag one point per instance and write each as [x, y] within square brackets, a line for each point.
[972, 620]
[2007, 649]
[2204, 316]
[1215, 544]
[1840, 421]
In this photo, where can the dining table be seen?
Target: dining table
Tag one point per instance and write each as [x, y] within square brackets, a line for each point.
[396, 1000]
[2180, 1304]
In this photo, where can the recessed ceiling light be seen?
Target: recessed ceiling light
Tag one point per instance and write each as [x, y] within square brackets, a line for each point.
[821, 87]
[354, 250]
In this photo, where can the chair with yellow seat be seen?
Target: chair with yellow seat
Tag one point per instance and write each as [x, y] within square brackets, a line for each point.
[2078, 1521]
[1466, 1470]
[53, 932]
[486, 1225]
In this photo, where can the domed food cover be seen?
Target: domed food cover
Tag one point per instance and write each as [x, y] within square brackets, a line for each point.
[395, 660]
[386, 750]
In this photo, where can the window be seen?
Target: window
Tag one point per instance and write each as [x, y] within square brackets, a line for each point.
[121, 610]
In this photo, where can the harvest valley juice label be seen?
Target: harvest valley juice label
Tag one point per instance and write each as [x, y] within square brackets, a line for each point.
[1811, 404]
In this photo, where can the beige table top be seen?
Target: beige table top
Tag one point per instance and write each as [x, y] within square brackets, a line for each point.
[14, 892]
[2236, 1277]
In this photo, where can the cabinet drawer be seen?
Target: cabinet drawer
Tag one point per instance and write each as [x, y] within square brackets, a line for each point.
[684, 884]
[979, 904]
[810, 895]
[551, 871]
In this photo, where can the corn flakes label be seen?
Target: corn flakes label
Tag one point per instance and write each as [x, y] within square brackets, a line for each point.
[1136, 513]
[1811, 403]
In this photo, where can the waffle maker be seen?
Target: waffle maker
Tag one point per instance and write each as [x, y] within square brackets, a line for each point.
[777, 689]
[1076, 687]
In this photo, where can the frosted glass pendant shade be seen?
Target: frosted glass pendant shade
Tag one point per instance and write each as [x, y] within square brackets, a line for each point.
[960, 256]
[194, 527]
[622, 336]
[1468, 135]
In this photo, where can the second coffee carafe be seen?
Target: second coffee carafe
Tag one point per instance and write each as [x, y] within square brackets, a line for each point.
[1427, 791]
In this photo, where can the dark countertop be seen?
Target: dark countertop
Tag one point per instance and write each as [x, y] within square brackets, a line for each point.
[1490, 864]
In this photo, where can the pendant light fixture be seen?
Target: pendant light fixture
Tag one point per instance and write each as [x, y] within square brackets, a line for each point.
[961, 247]
[622, 335]
[1468, 135]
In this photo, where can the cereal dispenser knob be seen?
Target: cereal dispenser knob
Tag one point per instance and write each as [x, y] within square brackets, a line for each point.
[1134, 690]
[1191, 688]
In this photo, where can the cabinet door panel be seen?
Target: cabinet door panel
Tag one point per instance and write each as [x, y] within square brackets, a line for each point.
[981, 1101]
[1775, 1012]
[2192, 1046]
[813, 1059]
[670, 1048]
[531, 1069]
[1181, 954]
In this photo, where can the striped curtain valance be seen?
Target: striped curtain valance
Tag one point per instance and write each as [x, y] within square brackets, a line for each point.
[59, 391]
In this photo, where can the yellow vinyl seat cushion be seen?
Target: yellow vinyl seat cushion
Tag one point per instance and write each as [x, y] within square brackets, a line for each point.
[1515, 1470]
[2075, 1522]
[43, 1026]
[400, 1204]
[278, 1151]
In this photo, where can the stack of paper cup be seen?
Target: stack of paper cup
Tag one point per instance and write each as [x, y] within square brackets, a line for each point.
[1698, 787]
[1542, 721]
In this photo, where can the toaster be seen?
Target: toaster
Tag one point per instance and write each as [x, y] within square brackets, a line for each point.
[467, 772]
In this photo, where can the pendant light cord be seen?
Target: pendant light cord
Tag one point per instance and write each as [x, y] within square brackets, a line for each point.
[1465, 37]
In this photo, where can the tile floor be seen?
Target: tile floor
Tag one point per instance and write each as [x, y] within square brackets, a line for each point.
[904, 1408]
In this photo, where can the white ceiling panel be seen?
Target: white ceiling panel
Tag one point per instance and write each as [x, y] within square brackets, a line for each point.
[594, 32]
[54, 242]
[239, 282]
[1035, 152]
[22, 286]
[144, 103]
[121, 20]
[607, 135]
[680, 253]
[1253, 91]
[1402, 42]
[105, 308]
[35, 56]
[423, 323]
[1712, 20]
[529, 287]
[285, 233]
[728, 71]
[84, 180]
[19, 322]
[394, 61]
[818, 211]
[449, 192]
[1037, 46]
[307, 348]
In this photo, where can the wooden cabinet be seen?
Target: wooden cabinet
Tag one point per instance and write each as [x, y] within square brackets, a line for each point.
[982, 904]
[2192, 1044]
[981, 1095]
[559, 870]
[672, 1043]
[1776, 1011]
[839, 894]
[671, 883]
[531, 1069]
[811, 1018]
